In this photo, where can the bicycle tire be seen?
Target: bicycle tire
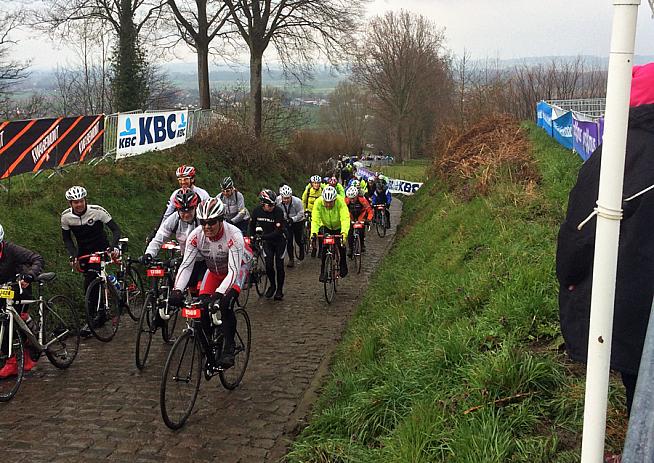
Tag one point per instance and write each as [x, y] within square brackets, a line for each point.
[107, 296]
[167, 402]
[135, 293]
[61, 329]
[232, 377]
[380, 223]
[261, 277]
[168, 329]
[144, 332]
[244, 295]
[328, 285]
[9, 386]
[307, 241]
[356, 252]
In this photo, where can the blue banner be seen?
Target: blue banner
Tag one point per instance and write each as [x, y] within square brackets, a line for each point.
[562, 129]
[585, 136]
[545, 117]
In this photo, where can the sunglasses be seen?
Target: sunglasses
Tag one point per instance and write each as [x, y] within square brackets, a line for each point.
[210, 222]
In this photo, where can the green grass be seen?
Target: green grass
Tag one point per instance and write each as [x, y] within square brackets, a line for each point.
[461, 316]
[413, 171]
[134, 191]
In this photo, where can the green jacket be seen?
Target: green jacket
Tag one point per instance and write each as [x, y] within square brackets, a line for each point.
[336, 218]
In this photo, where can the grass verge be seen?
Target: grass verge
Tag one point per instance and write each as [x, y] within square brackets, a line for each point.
[453, 355]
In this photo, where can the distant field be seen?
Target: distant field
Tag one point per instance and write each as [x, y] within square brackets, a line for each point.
[414, 170]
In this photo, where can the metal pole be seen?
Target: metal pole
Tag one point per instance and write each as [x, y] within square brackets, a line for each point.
[609, 208]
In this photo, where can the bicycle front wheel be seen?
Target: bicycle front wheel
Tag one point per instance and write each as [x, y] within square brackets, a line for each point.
[260, 276]
[134, 293]
[168, 329]
[102, 310]
[232, 377]
[60, 331]
[145, 331]
[380, 223]
[329, 284]
[244, 295]
[12, 366]
[356, 252]
[180, 381]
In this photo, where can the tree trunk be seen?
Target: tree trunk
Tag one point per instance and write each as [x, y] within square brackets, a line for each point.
[256, 60]
[203, 75]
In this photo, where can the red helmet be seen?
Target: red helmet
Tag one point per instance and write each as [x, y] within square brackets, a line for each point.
[332, 181]
[185, 171]
[186, 199]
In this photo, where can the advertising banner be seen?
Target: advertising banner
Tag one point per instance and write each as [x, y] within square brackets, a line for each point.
[142, 132]
[585, 134]
[545, 117]
[562, 127]
[397, 186]
[32, 145]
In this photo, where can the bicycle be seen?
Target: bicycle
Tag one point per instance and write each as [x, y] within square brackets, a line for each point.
[306, 233]
[57, 334]
[332, 265]
[357, 255]
[257, 274]
[162, 274]
[105, 302]
[188, 361]
[380, 219]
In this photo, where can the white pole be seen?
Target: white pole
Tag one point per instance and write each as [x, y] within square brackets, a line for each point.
[609, 208]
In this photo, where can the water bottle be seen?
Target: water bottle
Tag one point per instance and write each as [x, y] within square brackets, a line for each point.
[114, 281]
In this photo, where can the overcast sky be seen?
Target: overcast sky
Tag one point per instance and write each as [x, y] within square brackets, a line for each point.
[496, 29]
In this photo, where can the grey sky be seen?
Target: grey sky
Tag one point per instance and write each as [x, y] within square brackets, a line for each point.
[496, 29]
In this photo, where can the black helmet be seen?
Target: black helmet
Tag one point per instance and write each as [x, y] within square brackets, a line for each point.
[186, 199]
[227, 183]
[267, 197]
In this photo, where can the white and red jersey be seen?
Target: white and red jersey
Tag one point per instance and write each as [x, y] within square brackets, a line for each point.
[224, 256]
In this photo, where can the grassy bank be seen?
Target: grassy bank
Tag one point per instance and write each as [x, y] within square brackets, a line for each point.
[454, 353]
[134, 191]
[413, 171]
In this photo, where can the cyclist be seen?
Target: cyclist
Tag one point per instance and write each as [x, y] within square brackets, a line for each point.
[235, 211]
[86, 222]
[180, 226]
[361, 211]
[382, 196]
[312, 191]
[330, 215]
[186, 178]
[333, 182]
[294, 216]
[227, 257]
[17, 260]
[270, 219]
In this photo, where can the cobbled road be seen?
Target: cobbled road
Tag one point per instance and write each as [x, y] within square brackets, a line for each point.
[103, 409]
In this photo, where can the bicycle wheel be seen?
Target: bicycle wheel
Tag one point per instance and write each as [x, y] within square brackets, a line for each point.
[328, 284]
[102, 310]
[380, 223]
[244, 295]
[232, 377]
[9, 385]
[307, 241]
[145, 331]
[168, 329]
[260, 276]
[60, 331]
[356, 252]
[180, 381]
[135, 293]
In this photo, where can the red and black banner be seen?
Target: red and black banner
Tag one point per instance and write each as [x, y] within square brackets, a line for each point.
[36, 144]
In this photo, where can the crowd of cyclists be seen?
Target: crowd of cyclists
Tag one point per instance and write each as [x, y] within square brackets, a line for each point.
[214, 235]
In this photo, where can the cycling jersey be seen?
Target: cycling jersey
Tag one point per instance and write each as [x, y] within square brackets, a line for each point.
[272, 223]
[88, 229]
[310, 195]
[336, 218]
[381, 198]
[293, 211]
[225, 256]
[172, 226]
[359, 208]
[235, 210]
[170, 207]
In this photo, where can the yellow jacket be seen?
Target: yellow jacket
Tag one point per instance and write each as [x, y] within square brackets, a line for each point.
[336, 218]
[310, 195]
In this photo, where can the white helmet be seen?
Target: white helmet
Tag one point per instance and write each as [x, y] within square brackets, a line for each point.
[352, 192]
[329, 194]
[286, 191]
[211, 208]
[2, 234]
[315, 179]
[75, 193]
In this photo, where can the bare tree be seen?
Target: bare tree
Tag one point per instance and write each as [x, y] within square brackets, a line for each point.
[348, 114]
[11, 71]
[402, 62]
[199, 22]
[297, 29]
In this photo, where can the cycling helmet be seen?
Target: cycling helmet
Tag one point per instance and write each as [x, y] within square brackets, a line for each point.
[2, 234]
[352, 192]
[355, 183]
[186, 200]
[329, 194]
[286, 191]
[227, 183]
[332, 181]
[75, 193]
[211, 208]
[315, 179]
[267, 197]
[185, 171]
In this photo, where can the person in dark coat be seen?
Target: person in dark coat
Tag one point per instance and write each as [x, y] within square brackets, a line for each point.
[635, 272]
